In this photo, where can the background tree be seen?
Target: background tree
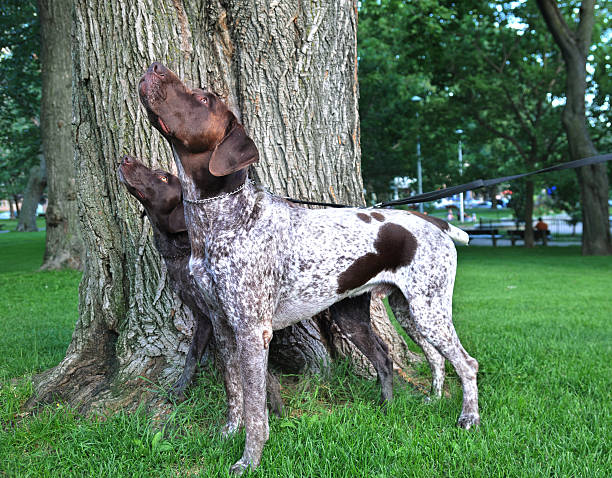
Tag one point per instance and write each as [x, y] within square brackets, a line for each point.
[63, 239]
[19, 150]
[505, 76]
[489, 69]
[32, 194]
[290, 69]
[575, 45]
[19, 106]
[600, 86]
[396, 45]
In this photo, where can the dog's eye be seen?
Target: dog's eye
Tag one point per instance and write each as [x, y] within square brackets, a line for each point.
[163, 178]
[203, 99]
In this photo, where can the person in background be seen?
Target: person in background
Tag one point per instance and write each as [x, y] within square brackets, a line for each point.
[541, 225]
[542, 230]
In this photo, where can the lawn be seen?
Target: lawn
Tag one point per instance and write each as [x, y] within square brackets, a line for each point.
[538, 322]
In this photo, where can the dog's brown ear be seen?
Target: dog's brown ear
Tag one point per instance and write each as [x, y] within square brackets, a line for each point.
[236, 151]
[176, 220]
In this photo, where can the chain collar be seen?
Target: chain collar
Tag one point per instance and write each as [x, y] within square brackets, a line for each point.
[216, 198]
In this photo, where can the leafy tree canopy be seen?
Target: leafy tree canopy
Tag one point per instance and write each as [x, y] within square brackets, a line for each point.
[20, 91]
[488, 69]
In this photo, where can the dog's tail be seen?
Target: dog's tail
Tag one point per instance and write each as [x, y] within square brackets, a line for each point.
[457, 235]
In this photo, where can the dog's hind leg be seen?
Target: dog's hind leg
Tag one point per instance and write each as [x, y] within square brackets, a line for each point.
[352, 315]
[432, 316]
[399, 306]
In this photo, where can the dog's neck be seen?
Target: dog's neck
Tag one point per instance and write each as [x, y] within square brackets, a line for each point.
[212, 204]
[197, 182]
[171, 247]
[228, 213]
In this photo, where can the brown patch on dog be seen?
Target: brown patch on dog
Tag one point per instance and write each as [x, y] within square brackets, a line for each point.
[436, 221]
[395, 247]
[378, 216]
[364, 217]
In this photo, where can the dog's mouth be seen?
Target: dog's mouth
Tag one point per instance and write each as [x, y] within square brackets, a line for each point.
[135, 191]
[163, 126]
[154, 118]
[123, 178]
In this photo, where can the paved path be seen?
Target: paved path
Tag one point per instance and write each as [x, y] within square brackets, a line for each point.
[486, 241]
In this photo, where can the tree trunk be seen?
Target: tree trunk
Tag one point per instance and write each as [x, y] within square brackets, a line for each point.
[528, 237]
[64, 246]
[31, 198]
[16, 203]
[290, 69]
[593, 180]
[12, 208]
[594, 187]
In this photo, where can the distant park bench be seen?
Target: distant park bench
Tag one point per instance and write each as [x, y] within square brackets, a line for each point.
[494, 233]
[520, 234]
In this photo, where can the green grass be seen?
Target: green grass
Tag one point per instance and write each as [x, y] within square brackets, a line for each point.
[537, 320]
[38, 309]
[11, 224]
[486, 214]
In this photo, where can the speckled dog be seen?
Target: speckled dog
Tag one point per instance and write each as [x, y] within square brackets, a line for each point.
[161, 196]
[263, 264]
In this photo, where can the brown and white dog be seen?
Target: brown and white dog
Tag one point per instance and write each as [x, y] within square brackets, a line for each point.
[262, 264]
[160, 194]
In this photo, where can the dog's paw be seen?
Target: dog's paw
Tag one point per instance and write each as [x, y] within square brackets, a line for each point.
[230, 429]
[239, 467]
[386, 396]
[467, 421]
[432, 397]
[177, 394]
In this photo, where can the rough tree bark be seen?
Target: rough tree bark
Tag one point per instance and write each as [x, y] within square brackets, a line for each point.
[31, 197]
[64, 247]
[593, 180]
[290, 69]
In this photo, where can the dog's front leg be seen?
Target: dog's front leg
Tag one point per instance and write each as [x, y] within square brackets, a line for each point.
[199, 341]
[253, 344]
[229, 359]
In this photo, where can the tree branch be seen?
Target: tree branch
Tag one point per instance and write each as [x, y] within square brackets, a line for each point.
[517, 112]
[552, 145]
[562, 33]
[584, 32]
[503, 135]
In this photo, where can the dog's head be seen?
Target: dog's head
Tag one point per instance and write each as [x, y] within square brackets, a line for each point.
[158, 191]
[195, 122]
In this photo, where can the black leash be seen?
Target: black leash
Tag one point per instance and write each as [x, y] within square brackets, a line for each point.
[479, 183]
